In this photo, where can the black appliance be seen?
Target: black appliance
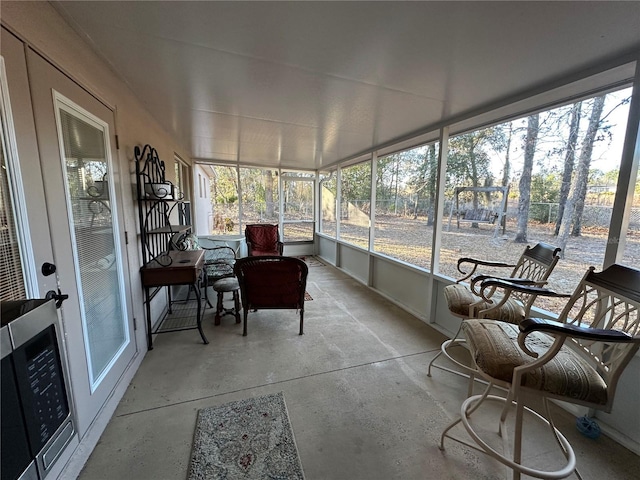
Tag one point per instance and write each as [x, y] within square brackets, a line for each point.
[37, 414]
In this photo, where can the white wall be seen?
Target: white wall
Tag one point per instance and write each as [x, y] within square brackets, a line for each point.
[354, 261]
[327, 249]
[42, 28]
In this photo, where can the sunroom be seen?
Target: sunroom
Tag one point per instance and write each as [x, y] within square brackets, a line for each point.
[385, 139]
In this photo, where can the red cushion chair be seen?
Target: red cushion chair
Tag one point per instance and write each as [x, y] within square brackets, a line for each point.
[263, 239]
[271, 282]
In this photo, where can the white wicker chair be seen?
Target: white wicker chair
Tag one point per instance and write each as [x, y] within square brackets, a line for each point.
[578, 358]
[497, 302]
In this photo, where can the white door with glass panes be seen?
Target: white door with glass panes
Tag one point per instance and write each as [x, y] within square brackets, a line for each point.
[76, 141]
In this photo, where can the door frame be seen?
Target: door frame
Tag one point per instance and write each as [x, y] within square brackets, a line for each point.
[59, 100]
[14, 48]
[45, 79]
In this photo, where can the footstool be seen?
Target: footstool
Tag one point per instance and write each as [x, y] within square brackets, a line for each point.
[229, 284]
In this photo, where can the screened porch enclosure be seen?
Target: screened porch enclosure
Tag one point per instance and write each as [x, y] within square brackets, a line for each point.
[387, 139]
[399, 221]
[552, 176]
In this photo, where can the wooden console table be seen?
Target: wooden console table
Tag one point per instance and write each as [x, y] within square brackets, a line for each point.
[184, 268]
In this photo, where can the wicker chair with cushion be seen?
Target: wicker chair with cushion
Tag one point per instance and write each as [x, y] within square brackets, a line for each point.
[272, 282]
[218, 259]
[578, 359]
[263, 239]
[218, 266]
[498, 302]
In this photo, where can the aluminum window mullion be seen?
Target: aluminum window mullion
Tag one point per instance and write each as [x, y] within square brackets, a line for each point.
[240, 202]
[372, 216]
[317, 214]
[441, 181]
[372, 200]
[280, 203]
[338, 202]
[628, 174]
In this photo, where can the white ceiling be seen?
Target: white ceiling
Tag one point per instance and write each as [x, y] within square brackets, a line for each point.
[306, 84]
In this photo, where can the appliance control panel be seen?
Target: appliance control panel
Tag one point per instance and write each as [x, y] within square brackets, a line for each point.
[42, 388]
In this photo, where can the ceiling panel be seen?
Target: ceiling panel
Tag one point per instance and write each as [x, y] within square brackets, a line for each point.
[306, 84]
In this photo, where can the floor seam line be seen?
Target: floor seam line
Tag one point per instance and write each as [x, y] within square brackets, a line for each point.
[274, 383]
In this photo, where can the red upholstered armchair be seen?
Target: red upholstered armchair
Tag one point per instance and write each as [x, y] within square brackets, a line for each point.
[263, 239]
[271, 282]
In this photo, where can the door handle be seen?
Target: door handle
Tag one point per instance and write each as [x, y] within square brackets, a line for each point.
[58, 296]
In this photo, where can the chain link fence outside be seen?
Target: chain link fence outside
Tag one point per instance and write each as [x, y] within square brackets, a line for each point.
[598, 216]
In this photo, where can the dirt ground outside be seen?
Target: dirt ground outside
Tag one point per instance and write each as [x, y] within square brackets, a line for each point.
[410, 240]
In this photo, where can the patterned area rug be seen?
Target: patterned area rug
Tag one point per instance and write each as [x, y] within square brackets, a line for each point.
[247, 439]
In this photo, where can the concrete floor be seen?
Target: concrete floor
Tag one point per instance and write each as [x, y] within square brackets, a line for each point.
[359, 400]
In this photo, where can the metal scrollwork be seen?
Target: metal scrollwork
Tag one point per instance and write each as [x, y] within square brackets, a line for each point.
[159, 203]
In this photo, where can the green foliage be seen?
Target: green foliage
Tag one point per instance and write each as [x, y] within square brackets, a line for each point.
[598, 177]
[398, 173]
[356, 182]
[469, 159]
[226, 200]
[545, 193]
[224, 184]
[545, 187]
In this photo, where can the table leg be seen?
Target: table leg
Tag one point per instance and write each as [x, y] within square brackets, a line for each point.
[199, 300]
[148, 305]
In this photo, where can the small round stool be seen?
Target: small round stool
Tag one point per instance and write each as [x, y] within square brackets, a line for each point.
[229, 284]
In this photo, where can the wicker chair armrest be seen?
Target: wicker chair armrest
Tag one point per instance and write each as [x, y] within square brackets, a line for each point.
[481, 279]
[562, 330]
[529, 325]
[476, 263]
[509, 286]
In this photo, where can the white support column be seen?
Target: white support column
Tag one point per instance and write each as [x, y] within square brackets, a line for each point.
[372, 196]
[241, 222]
[372, 215]
[438, 215]
[280, 205]
[317, 208]
[439, 207]
[623, 200]
[338, 213]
